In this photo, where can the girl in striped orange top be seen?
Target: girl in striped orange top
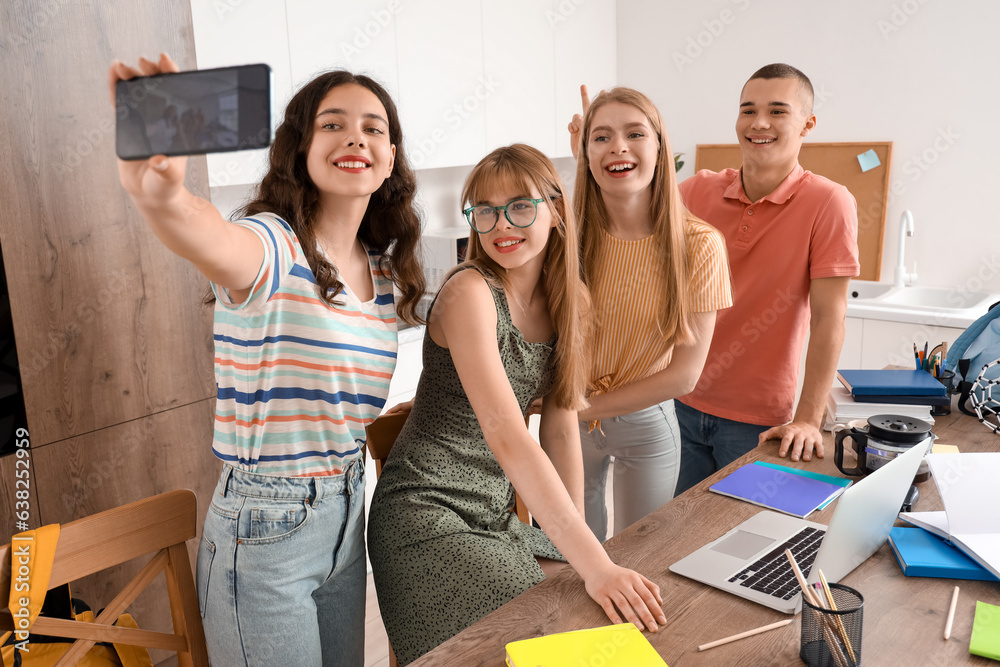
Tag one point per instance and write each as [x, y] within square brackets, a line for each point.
[305, 345]
[657, 275]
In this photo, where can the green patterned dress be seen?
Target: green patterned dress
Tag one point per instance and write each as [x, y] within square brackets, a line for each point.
[445, 546]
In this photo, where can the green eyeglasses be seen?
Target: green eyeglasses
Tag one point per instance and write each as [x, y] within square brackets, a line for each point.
[483, 218]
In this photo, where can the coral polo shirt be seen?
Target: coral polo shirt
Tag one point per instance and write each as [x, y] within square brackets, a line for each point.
[806, 229]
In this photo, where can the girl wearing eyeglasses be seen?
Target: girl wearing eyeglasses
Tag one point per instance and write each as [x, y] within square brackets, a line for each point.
[506, 328]
[657, 275]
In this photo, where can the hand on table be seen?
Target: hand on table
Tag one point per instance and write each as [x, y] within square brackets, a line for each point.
[618, 589]
[800, 437]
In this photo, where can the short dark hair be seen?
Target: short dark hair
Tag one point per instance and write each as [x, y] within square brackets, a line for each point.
[783, 71]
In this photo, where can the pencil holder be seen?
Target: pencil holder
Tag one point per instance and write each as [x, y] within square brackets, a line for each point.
[833, 638]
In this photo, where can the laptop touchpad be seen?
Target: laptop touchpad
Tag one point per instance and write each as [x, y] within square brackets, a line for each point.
[742, 544]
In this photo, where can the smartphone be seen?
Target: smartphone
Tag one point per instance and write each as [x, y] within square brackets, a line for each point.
[193, 113]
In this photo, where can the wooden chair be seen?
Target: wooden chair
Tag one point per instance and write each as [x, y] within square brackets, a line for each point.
[382, 434]
[160, 525]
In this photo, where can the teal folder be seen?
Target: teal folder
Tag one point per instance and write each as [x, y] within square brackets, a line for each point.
[923, 554]
[890, 383]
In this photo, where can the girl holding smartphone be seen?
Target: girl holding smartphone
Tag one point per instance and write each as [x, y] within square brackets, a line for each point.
[305, 345]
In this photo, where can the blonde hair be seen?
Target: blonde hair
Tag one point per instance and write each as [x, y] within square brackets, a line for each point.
[667, 211]
[522, 168]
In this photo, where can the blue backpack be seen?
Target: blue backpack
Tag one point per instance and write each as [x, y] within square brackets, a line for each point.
[977, 347]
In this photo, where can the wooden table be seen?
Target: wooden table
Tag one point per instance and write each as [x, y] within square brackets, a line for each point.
[904, 617]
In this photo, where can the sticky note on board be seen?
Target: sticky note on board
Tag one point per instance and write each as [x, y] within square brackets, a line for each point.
[944, 449]
[868, 160]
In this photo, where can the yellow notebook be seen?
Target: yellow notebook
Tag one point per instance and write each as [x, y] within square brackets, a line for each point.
[611, 646]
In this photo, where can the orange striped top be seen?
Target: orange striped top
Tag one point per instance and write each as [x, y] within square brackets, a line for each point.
[629, 344]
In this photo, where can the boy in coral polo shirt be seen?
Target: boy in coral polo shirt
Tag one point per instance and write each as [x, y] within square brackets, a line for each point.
[792, 242]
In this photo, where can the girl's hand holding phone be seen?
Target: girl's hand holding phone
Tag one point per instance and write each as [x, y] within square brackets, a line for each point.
[158, 179]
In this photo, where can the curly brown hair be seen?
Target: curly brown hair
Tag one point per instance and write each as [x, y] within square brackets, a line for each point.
[390, 226]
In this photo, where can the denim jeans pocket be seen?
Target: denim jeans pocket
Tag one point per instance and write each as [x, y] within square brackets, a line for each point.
[272, 522]
[206, 554]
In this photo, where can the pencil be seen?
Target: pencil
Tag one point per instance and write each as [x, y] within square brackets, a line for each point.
[951, 614]
[840, 623]
[809, 595]
[743, 635]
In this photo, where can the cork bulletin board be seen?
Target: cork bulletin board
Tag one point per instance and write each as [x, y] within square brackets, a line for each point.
[838, 162]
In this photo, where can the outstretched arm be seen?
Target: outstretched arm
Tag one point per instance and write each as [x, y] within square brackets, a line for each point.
[465, 322]
[227, 254]
[827, 308]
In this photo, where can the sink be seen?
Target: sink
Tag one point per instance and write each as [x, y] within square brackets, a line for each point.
[865, 289]
[919, 304]
[938, 298]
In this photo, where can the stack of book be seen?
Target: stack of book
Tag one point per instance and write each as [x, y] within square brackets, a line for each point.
[874, 392]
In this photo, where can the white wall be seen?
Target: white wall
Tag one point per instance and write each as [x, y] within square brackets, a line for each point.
[920, 73]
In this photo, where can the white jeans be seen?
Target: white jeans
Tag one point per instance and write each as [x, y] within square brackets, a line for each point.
[645, 446]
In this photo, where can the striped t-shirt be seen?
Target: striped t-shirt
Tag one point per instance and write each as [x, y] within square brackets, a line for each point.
[298, 380]
[626, 296]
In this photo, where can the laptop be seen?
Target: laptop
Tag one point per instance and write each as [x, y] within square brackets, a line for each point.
[750, 560]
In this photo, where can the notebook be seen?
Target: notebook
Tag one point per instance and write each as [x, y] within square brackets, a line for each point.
[778, 488]
[985, 640]
[611, 646]
[922, 554]
[749, 560]
[967, 483]
[889, 382]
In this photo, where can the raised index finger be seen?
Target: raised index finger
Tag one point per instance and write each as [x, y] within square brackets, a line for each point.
[584, 97]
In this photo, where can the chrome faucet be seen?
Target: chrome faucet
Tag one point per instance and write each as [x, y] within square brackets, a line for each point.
[902, 278]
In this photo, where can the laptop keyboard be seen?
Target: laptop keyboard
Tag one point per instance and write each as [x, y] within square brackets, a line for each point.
[772, 574]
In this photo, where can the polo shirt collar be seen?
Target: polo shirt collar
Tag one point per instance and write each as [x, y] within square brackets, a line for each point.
[781, 194]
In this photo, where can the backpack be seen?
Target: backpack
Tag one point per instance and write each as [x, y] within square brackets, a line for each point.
[969, 356]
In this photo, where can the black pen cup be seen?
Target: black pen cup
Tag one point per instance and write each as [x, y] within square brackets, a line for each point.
[833, 638]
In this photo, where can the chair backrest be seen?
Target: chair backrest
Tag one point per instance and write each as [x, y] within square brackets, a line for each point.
[382, 434]
[160, 525]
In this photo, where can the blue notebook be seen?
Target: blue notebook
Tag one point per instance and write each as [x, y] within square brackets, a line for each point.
[890, 383]
[923, 554]
[767, 486]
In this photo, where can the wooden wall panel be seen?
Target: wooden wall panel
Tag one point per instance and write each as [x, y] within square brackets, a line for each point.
[8, 499]
[114, 466]
[108, 322]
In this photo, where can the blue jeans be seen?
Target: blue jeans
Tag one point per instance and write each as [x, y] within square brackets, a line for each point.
[281, 570]
[710, 443]
[646, 447]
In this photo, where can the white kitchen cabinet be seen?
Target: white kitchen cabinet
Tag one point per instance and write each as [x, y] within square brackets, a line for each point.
[360, 36]
[409, 363]
[519, 57]
[467, 76]
[442, 85]
[891, 343]
[241, 32]
[851, 352]
[585, 53]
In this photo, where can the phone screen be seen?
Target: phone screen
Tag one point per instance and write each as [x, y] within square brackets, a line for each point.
[192, 113]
